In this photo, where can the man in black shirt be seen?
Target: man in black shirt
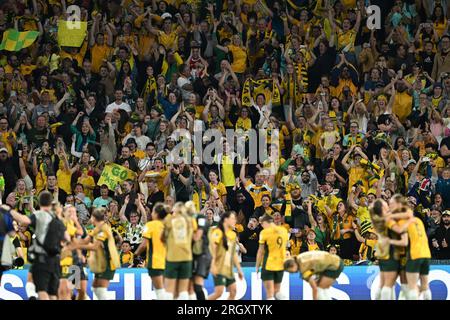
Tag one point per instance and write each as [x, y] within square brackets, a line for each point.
[8, 167]
[445, 148]
[126, 155]
[427, 57]
[249, 239]
[442, 236]
[52, 187]
[154, 194]
[181, 177]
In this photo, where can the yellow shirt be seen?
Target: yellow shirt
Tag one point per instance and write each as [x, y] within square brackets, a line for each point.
[366, 249]
[104, 235]
[156, 251]
[347, 39]
[159, 176]
[243, 124]
[355, 174]
[227, 172]
[26, 69]
[220, 187]
[98, 53]
[180, 229]
[402, 105]
[4, 139]
[274, 239]
[168, 40]
[64, 178]
[239, 58]
[295, 247]
[66, 255]
[126, 258]
[257, 192]
[139, 154]
[88, 184]
[440, 28]
[315, 262]
[224, 258]
[418, 247]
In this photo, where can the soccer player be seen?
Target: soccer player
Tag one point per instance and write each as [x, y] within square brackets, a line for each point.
[104, 258]
[271, 255]
[325, 265]
[224, 256]
[156, 251]
[418, 258]
[400, 212]
[178, 234]
[201, 254]
[68, 257]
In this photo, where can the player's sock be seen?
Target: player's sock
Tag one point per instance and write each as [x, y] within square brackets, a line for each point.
[193, 296]
[403, 292]
[169, 296]
[184, 295]
[160, 294]
[199, 292]
[378, 293]
[386, 293]
[394, 296]
[101, 293]
[327, 294]
[412, 294]
[322, 294]
[30, 289]
[425, 295]
[280, 296]
[273, 298]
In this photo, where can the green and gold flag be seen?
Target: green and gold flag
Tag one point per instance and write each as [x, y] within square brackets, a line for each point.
[71, 33]
[14, 40]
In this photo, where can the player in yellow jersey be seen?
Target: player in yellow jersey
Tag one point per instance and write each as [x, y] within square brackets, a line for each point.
[104, 258]
[326, 266]
[178, 234]
[156, 251]
[390, 255]
[222, 243]
[418, 258]
[271, 255]
[68, 257]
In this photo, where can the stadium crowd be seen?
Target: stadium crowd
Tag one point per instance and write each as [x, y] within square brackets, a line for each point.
[361, 114]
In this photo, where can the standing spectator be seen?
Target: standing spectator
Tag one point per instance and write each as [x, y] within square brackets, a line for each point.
[442, 236]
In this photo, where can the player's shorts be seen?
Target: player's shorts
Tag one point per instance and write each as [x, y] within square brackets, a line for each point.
[421, 266]
[108, 274]
[65, 272]
[275, 276]
[83, 274]
[220, 280]
[178, 270]
[46, 277]
[334, 274]
[201, 265]
[389, 265]
[155, 272]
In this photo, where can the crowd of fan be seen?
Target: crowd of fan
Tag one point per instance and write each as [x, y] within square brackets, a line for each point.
[361, 114]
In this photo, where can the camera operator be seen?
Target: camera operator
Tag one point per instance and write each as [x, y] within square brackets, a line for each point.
[6, 233]
[45, 268]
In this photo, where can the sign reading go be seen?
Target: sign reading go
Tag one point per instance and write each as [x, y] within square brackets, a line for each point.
[113, 174]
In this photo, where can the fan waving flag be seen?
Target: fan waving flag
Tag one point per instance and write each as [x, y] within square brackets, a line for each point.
[14, 40]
